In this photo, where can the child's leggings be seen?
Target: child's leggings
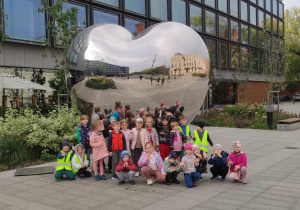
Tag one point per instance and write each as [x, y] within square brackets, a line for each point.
[244, 172]
[100, 162]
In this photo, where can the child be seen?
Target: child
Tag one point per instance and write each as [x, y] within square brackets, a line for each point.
[237, 161]
[126, 168]
[80, 162]
[126, 132]
[152, 165]
[172, 168]
[188, 163]
[202, 138]
[152, 133]
[185, 130]
[164, 136]
[83, 135]
[99, 149]
[202, 167]
[120, 110]
[140, 138]
[64, 166]
[176, 139]
[219, 162]
[116, 144]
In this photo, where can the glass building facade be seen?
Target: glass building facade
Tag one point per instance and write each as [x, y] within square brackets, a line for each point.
[224, 25]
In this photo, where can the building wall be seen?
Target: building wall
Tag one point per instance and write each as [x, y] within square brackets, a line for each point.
[256, 92]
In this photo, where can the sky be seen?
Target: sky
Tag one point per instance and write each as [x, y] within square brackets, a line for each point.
[288, 4]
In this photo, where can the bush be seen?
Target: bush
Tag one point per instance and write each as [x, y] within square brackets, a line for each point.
[199, 75]
[100, 83]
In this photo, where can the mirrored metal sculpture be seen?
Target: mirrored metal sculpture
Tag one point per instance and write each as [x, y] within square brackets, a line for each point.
[168, 50]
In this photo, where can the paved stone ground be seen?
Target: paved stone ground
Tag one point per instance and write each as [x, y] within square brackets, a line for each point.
[273, 183]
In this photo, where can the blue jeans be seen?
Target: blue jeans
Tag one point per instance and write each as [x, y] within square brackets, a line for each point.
[190, 178]
[88, 154]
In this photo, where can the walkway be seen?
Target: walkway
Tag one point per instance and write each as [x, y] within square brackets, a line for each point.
[273, 183]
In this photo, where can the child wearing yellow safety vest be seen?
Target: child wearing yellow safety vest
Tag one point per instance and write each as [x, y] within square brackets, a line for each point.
[185, 130]
[64, 165]
[80, 162]
[201, 138]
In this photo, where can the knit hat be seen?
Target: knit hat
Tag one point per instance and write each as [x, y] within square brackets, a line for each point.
[200, 124]
[188, 146]
[173, 155]
[218, 145]
[162, 103]
[65, 143]
[139, 120]
[195, 146]
[237, 144]
[141, 112]
[164, 117]
[124, 152]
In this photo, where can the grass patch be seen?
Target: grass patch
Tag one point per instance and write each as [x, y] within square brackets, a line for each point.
[199, 75]
[100, 83]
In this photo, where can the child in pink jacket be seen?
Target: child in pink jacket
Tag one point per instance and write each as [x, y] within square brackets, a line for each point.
[237, 161]
[97, 142]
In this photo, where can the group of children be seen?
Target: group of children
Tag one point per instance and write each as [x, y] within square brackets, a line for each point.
[158, 154]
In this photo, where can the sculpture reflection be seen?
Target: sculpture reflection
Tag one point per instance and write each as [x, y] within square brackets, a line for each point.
[165, 49]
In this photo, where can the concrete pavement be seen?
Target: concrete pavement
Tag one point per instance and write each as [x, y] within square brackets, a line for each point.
[273, 182]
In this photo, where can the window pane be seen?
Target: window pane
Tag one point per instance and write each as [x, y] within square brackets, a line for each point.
[253, 15]
[104, 17]
[234, 8]
[223, 5]
[134, 26]
[178, 11]
[260, 61]
[136, 6]
[244, 34]
[275, 7]
[275, 26]
[261, 3]
[81, 17]
[110, 2]
[223, 27]
[253, 59]
[261, 38]
[261, 20]
[159, 9]
[280, 10]
[235, 53]
[244, 11]
[211, 46]
[234, 31]
[268, 23]
[253, 37]
[254, 1]
[196, 17]
[223, 54]
[210, 22]
[268, 5]
[25, 22]
[211, 3]
[280, 28]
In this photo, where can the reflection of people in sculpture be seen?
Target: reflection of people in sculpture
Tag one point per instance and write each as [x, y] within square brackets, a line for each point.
[162, 81]
[168, 79]
[158, 78]
[151, 79]
[175, 106]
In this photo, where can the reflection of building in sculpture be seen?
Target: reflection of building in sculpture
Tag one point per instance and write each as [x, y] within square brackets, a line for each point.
[140, 27]
[101, 68]
[188, 64]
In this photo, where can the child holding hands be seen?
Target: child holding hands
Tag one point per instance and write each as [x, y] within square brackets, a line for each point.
[172, 168]
[219, 162]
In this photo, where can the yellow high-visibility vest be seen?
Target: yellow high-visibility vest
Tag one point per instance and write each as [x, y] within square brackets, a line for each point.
[203, 144]
[187, 132]
[64, 163]
[75, 170]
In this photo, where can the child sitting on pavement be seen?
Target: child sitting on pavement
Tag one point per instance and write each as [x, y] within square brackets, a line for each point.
[64, 165]
[80, 162]
[202, 167]
[126, 168]
[219, 162]
[172, 168]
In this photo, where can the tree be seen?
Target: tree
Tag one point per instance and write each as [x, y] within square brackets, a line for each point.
[3, 37]
[292, 44]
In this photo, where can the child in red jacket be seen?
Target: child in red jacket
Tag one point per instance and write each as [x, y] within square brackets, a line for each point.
[126, 168]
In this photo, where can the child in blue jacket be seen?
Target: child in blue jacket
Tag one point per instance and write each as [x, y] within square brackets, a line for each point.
[219, 162]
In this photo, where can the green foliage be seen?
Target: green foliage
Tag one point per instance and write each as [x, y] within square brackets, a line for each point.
[100, 83]
[3, 37]
[199, 75]
[240, 116]
[292, 87]
[58, 83]
[85, 108]
[158, 70]
[47, 156]
[40, 133]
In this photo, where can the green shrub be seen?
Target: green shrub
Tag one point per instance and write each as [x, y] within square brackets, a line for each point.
[47, 156]
[199, 75]
[100, 83]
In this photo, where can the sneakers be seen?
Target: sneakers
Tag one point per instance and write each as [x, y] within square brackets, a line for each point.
[121, 182]
[149, 182]
[153, 179]
[115, 177]
[168, 183]
[194, 184]
[244, 181]
[107, 170]
[102, 177]
[137, 174]
[213, 178]
[175, 181]
[223, 179]
[97, 178]
[201, 179]
[132, 182]
[77, 177]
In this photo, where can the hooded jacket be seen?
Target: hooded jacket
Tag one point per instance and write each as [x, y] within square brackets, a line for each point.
[159, 162]
[239, 159]
[217, 161]
[189, 164]
[163, 132]
[131, 166]
[98, 145]
[81, 159]
[168, 165]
